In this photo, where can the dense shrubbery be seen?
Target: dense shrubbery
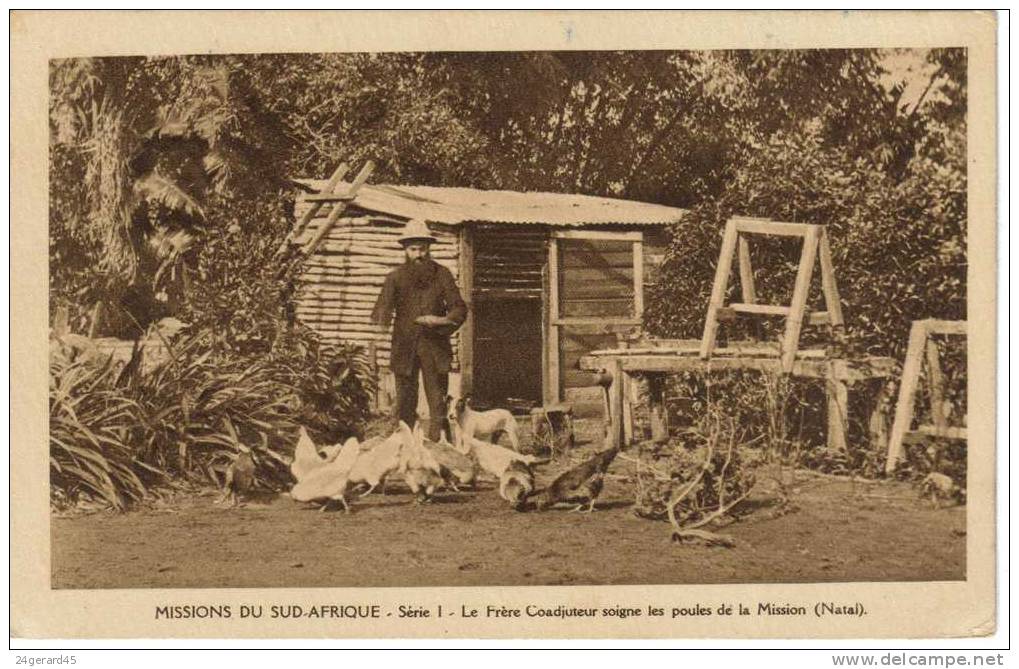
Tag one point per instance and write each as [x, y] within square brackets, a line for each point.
[116, 432]
[91, 424]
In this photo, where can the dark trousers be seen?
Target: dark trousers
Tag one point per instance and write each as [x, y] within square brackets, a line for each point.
[436, 386]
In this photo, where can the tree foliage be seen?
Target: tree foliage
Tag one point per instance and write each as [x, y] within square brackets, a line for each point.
[892, 193]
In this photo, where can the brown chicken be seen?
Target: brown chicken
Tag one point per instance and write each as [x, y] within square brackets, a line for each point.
[240, 477]
[455, 466]
[580, 485]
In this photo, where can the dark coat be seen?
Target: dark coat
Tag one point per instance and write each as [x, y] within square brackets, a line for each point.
[439, 297]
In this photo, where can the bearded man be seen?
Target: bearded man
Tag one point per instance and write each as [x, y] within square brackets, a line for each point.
[428, 310]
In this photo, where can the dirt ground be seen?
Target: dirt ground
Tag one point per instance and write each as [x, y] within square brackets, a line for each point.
[836, 530]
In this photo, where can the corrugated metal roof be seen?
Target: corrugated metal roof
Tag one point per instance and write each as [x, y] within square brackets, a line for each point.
[454, 206]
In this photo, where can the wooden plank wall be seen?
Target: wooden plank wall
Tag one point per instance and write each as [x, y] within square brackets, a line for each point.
[596, 287]
[508, 261]
[342, 280]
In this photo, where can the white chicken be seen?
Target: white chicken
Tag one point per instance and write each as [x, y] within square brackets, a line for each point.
[329, 482]
[491, 458]
[421, 471]
[306, 456]
[379, 458]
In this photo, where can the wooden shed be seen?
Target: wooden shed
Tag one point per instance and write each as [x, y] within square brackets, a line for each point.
[548, 277]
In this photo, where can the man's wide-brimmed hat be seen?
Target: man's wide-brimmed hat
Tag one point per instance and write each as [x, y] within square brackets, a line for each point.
[416, 230]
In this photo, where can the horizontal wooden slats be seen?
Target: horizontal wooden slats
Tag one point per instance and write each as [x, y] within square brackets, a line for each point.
[321, 291]
[767, 309]
[598, 306]
[341, 281]
[387, 262]
[508, 262]
[368, 252]
[942, 432]
[494, 294]
[763, 227]
[575, 343]
[321, 278]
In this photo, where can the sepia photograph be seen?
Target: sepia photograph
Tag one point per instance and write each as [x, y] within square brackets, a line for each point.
[440, 318]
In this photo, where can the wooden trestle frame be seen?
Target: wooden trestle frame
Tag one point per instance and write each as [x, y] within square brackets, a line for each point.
[815, 245]
[922, 348]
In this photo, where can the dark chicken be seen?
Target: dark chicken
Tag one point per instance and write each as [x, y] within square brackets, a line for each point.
[240, 477]
[580, 485]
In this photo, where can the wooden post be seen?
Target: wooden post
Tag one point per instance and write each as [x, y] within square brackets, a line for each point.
[837, 393]
[746, 272]
[338, 208]
[936, 383]
[907, 393]
[746, 282]
[638, 279]
[466, 262]
[554, 389]
[627, 413]
[547, 396]
[791, 339]
[718, 289]
[830, 288]
[616, 403]
[657, 408]
[878, 426]
[301, 224]
[605, 382]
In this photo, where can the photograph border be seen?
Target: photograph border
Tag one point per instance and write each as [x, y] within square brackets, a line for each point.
[895, 609]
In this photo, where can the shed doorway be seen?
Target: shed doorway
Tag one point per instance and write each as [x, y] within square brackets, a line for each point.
[507, 304]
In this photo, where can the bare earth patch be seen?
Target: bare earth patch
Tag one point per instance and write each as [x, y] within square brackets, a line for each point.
[836, 530]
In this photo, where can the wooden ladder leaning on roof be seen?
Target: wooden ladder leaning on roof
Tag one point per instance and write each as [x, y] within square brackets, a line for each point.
[328, 194]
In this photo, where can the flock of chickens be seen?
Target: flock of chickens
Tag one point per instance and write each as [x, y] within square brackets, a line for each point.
[328, 474]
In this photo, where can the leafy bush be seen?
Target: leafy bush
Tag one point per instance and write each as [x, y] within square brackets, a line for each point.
[715, 479]
[90, 429]
[114, 433]
[197, 408]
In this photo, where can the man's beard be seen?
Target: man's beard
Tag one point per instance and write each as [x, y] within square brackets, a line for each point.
[420, 272]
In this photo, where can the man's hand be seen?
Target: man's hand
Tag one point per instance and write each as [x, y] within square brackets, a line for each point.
[431, 321]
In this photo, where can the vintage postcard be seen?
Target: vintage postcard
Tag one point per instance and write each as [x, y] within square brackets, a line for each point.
[503, 324]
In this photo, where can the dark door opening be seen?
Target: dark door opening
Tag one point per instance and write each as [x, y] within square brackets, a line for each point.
[507, 305]
[507, 352]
